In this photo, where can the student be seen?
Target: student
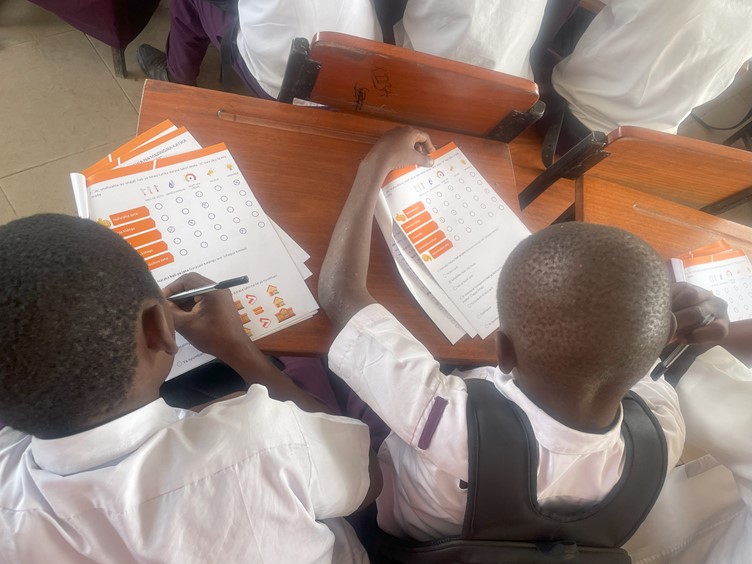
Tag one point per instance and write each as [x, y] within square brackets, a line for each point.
[263, 32]
[496, 34]
[585, 312]
[704, 514]
[647, 63]
[96, 467]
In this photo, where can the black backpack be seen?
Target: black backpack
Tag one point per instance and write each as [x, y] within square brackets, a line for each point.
[502, 494]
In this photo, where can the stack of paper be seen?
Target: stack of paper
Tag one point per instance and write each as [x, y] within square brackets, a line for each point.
[450, 234]
[185, 208]
[722, 270]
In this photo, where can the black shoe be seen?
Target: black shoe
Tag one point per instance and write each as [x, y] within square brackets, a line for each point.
[153, 62]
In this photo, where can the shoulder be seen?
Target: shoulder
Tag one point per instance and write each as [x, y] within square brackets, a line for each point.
[662, 400]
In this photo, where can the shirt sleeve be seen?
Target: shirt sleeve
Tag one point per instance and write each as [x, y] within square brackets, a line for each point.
[399, 379]
[716, 395]
[662, 400]
[338, 452]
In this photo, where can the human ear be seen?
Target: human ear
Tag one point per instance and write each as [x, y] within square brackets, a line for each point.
[505, 353]
[158, 330]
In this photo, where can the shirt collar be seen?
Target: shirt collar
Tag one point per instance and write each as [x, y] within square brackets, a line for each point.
[106, 443]
[553, 435]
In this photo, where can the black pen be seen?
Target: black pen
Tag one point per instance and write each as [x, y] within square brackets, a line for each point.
[210, 288]
[664, 365]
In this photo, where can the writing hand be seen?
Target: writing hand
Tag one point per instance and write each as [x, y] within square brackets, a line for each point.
[210, 321]
[691, 305]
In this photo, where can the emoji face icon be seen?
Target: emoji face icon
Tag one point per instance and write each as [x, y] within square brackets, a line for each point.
[105, 222]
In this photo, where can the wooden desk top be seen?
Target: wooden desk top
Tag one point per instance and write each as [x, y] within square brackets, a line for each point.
[671, 228]
[687, 171]
[300, 163]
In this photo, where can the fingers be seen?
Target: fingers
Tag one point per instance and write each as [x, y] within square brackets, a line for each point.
[186, 282]
[713, 333]
[406, 146]
[422, 145]
[684, 295]
[692, 307]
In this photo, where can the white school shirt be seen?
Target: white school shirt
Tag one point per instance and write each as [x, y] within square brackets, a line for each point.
[649, 62]
[245, 480]
[425, 457]
[267, 28]
[704, 516]
[494, 34]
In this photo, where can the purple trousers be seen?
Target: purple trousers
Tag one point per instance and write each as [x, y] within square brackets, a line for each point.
[194, 24]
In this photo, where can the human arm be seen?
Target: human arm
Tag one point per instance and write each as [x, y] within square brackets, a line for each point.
[342, 287]
[210, 322]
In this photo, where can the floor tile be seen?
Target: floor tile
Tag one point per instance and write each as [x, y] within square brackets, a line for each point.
[7, 213]
[58, 99]
[22, 21]
[46, 188]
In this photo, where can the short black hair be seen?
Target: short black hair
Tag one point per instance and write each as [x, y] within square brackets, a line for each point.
[70, 294]
[587, 305]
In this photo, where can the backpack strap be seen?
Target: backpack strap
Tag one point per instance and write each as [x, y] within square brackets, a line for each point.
[502, 476]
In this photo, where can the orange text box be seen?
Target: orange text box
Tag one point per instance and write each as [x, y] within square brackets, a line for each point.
[416, 222]
[423, 232]
[415, 209]
[161, 260]
[441, 248]
[144, 238]
[153, 250]
[429, 241]
[129, 215]
[135, 227]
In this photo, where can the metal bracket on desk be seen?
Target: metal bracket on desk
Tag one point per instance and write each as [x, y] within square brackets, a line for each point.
[517, 122]
[300, 73]
[730, 202]
[580, 158]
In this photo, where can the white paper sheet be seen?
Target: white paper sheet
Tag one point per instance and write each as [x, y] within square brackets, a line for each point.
[199, 214]
[460, 228]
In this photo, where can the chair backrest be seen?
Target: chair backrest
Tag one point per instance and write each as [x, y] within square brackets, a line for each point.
[363, 76]
[684, 170]
[671, 228]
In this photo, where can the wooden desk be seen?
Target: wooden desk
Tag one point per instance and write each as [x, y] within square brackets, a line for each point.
[687, 171]
[670, 228]
[300, 163]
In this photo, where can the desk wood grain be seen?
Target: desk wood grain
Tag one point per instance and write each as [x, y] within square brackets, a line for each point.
[687, 171]
[671, 228]
[300, 163]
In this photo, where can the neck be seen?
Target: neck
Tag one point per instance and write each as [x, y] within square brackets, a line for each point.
[588, 412]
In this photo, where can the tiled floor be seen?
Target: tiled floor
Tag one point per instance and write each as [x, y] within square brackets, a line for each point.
[62, 108]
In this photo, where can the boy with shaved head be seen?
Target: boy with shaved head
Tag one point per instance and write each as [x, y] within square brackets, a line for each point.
[96, 467]
[585, 311]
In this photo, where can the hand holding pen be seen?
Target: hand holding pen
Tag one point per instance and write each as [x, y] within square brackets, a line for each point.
[205, 314]
[701, 319]
[210, 287]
